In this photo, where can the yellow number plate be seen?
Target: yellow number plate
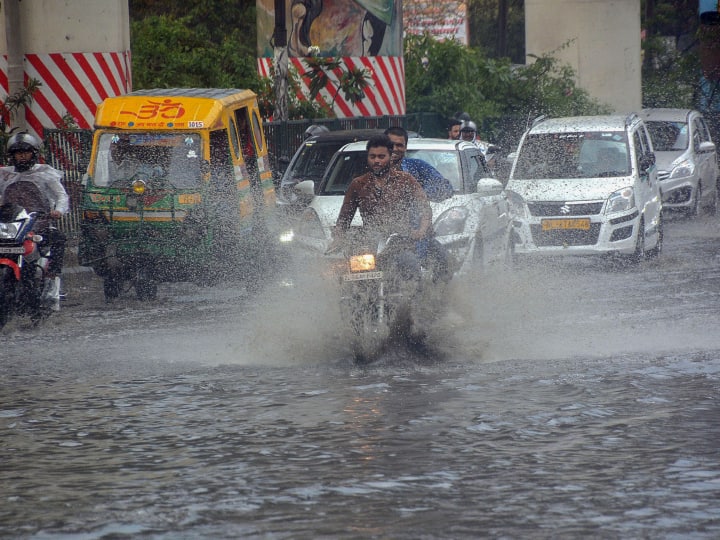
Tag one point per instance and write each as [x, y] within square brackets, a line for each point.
[577, 223]
[190, 198]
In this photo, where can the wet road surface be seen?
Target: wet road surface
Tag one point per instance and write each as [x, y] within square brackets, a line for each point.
[570, 399]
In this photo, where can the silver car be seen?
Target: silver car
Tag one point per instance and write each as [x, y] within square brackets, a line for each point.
[686, 159]
[474, 224]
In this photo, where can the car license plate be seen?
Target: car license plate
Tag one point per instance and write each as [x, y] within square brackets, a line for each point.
[362, 276]
[17, 249]
[567, 223]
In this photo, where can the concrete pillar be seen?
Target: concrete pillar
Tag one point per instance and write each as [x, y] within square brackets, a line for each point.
[599, 39]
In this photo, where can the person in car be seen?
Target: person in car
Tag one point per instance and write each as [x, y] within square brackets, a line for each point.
[389, 200]
[453, 129]
[38, 188]
[437, 188]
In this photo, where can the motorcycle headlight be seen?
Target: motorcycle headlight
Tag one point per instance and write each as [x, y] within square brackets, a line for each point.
[621, 201]
[9, 231]
[362, 263]
[685, 168]
[451, 221]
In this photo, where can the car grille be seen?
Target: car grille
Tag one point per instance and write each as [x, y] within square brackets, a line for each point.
[545, 209]
[565, 238]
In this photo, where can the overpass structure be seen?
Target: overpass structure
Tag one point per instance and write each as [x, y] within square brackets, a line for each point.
[80, 52]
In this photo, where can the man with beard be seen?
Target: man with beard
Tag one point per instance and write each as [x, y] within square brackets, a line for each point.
[389, 201]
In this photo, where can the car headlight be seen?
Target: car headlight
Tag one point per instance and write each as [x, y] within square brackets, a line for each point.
[451, 221]
[9, 231]
[621, 201]
[685, 168]
[518, 208]
[310, 225]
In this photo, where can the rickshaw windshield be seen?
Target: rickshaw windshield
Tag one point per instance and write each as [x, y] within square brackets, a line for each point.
[175, 158]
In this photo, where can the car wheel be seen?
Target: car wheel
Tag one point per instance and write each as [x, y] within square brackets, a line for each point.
[712, 208]
[639, 253]
[654, 252]
[695, 208]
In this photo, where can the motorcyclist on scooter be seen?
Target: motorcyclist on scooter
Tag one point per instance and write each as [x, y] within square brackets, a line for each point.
[389, 201]
[37, 187]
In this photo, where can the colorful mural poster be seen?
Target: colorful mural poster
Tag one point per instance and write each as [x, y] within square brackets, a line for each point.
[335, 28]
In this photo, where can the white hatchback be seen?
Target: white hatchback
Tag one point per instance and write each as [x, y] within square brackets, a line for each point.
[686, 159]
[586, 185]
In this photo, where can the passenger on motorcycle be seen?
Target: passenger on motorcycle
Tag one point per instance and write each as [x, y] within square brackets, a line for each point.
[436, 187]
[38, 188]
[389, 201]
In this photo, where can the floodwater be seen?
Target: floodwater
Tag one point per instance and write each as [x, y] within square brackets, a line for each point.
[570, 399]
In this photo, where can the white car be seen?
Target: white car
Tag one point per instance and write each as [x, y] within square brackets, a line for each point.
[586, 185]
[686, 159]
[474, 224]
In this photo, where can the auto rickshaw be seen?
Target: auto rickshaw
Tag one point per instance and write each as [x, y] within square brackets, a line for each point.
[177, 188]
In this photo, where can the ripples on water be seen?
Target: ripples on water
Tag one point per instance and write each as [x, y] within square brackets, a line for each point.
[553, 415]
[621, 448]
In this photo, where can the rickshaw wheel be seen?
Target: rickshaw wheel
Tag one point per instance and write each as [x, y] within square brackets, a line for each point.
[112, 285]
[146, 289]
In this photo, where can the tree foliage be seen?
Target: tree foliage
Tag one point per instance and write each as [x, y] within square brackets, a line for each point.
[212, 43]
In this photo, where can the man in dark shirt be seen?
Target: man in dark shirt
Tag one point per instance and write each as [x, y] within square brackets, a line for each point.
[389, 200]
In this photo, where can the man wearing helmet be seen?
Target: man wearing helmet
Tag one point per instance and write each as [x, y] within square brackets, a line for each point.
[37, 187]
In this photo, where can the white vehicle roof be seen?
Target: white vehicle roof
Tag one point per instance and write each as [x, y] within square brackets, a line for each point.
[417, 144]
[665, 115]
[572, 124]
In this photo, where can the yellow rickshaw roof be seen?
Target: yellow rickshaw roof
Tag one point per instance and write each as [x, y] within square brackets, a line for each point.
[168, 108]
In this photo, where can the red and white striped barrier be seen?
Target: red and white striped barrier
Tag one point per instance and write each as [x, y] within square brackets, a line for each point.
[71, 83]
[384, 95]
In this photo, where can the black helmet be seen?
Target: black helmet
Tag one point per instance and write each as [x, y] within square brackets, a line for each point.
[468, 125]
[23, 142]
[315, 130]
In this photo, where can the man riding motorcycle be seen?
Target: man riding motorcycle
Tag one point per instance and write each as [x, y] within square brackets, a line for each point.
[38, 188]
[389, 201]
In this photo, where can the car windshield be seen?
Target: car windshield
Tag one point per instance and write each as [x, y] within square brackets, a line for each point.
[349, 165]
[312, 161]
[174, 157]
[573, 155]
[447, 162]
[668, 136]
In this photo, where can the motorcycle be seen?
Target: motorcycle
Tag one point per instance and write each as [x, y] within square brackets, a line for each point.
[24, 289]
[386, 295]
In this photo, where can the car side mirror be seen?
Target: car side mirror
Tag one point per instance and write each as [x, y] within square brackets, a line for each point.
[646, 161]
[489, 186]
[306, 188]
[510, 158]
[706, 147]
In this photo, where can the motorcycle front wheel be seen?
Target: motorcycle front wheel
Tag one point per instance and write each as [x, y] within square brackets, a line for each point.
[8, 283]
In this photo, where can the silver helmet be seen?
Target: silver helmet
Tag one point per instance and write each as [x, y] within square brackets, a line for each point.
[23, 142]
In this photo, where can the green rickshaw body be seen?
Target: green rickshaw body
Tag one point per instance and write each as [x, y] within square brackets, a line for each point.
[177, 178]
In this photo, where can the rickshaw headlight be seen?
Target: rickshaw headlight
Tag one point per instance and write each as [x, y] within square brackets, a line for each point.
[138, 187]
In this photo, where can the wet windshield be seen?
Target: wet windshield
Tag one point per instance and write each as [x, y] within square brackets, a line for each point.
[352, 164]
[173, 157]
[668, 136]
[573, 155]
[313, 160]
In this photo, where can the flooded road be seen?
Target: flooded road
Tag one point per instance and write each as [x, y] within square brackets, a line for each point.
[571, 399]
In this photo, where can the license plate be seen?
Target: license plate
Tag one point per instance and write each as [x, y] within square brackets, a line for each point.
[574, 223]
[362, 276]
[17, 250]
